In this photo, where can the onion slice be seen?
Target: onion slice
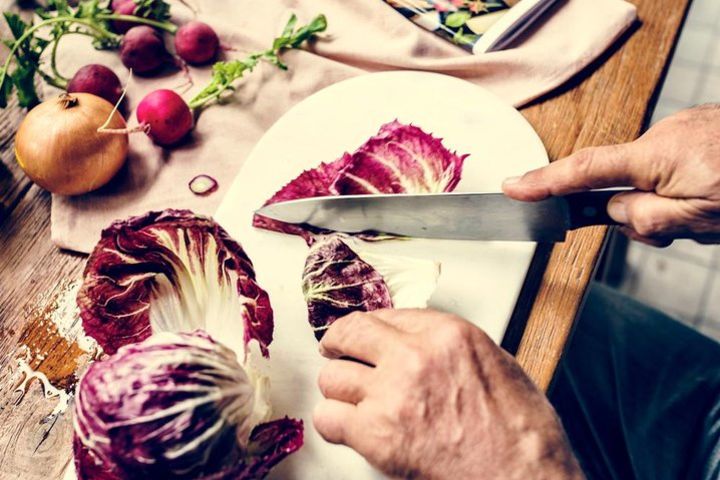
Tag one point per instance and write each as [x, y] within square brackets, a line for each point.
[203, 185]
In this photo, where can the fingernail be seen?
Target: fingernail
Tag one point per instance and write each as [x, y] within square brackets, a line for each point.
[618, 211]
[511, 180]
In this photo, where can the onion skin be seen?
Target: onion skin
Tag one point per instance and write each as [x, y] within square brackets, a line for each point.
[59, 148]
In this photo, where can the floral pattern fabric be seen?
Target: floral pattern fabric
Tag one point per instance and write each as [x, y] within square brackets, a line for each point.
[461, 21]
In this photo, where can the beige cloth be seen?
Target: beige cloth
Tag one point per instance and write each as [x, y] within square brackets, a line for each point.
[363, 36]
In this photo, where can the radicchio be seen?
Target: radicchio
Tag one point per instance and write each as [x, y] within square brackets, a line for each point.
[336, 282]
[177, 406]
[170, 271]
[399, 159]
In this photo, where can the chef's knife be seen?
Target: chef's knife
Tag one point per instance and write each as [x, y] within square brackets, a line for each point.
[456, 215]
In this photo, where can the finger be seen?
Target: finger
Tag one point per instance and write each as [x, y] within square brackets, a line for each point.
[344, 380]
[360, 336]
[410, 320]
[653, 242]
[597, 167]
[333, 420]
[650, 215]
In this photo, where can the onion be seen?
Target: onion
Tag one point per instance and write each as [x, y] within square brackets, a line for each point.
[59, 147]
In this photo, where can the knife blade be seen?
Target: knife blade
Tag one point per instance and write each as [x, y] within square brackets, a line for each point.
[455, 215]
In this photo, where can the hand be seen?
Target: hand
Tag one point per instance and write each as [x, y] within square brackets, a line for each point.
[435, 398]
[675, 168]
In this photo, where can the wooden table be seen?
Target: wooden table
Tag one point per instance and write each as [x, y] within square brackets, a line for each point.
[608, 103]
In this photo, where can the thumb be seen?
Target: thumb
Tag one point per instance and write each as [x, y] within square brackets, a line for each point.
[650, 215]
[597, 167]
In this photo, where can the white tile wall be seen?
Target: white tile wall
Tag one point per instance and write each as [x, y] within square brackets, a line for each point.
[681, 84]
[694, 45]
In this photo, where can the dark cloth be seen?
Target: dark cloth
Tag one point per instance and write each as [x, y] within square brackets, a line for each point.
[639, 393]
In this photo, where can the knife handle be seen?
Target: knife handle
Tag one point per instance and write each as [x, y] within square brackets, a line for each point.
[590, 208]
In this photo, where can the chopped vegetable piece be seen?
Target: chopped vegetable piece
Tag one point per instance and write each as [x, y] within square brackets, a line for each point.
[339, 279]
[203, 185]
[337, 282]
[172, 271]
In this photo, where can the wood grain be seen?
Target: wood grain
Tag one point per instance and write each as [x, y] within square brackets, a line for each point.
[607, 104]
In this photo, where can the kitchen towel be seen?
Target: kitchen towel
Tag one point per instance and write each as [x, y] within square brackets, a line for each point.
[363, 36]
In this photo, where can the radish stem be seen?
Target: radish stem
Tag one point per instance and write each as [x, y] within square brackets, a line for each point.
[166, 26]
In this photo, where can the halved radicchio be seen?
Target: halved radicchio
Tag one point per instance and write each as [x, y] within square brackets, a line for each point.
[399, 159]
[177, 405]
[167, 403]
[171, 271]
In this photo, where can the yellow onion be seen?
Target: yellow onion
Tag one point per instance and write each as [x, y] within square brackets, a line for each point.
[59, 147]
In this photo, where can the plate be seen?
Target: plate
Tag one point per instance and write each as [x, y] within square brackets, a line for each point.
[479, 281]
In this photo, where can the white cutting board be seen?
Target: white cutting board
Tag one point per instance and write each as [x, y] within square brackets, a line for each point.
[479, 281]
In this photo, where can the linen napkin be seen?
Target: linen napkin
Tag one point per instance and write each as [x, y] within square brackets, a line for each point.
[363, 36]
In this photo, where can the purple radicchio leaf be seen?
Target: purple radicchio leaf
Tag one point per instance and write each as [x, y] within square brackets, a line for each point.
[170, 271]
[178, 406]
[399, 159]
[270, 443]
[310, 183]
[336, 282]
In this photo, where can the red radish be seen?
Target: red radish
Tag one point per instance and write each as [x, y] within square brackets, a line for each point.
[166, 116]
[126, 7]
[116, 3]
[196, 43]
[98, 80]
[143, 50]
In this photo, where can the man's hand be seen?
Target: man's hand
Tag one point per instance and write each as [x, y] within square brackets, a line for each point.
[674, 167]
[435, 398]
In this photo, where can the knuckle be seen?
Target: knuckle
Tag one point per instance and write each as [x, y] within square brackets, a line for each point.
[325, 378]
[584, 159]
[417, 361]
[645, 225]
[454, 332]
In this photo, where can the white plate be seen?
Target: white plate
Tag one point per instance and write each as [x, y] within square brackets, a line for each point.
[480, 280]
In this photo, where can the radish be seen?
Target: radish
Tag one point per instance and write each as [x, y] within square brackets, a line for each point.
[165, 116]
[123, 7]
[98, 80]
[143, 50]
[196, 43]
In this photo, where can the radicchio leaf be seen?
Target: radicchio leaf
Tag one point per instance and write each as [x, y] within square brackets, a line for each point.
[336, 282]
[399, 159]
[177, 406]
[269, 443]
[170, 271]
[310, 183]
